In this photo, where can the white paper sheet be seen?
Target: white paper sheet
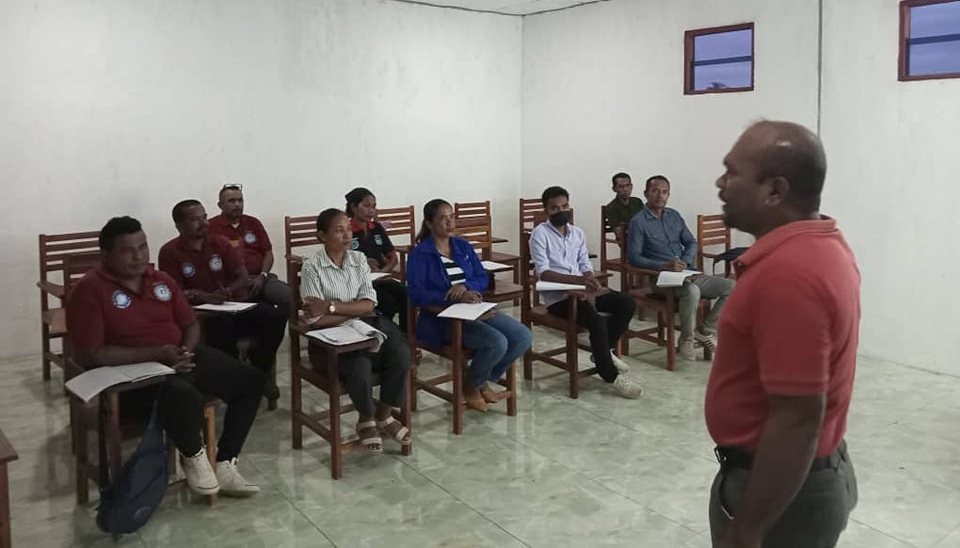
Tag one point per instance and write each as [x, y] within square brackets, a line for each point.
[674, 279]
[349, 332]
[557, 286]
[465, 311]
[493, 266]
[377, 275]
[228, 307]
[90, 383]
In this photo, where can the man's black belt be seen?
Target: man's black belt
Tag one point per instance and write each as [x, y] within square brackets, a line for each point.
[737, 457]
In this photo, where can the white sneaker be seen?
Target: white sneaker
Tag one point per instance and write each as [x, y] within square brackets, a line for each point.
[621, 365]
[686, 350]
[199, 473]
[709, 341]
[232, 484]
[627, 387]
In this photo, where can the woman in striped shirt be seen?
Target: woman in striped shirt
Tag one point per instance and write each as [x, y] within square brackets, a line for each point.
[335, 287]
[443, 270]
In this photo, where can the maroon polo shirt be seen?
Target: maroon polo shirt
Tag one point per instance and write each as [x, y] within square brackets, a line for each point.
[213, 267]
[101, 311]
[248, 236]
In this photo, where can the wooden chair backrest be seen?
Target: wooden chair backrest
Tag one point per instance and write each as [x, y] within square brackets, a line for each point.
[465, 210]
[54, 248]
[528, 278]
[530, 209]
[399, 222]
[477, 231]
[608, 236]
[76, 267]
[711, 231]
[298, 231]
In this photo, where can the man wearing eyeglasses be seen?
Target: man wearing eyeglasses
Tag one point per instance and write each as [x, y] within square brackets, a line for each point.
[211, 271]
[247, 235]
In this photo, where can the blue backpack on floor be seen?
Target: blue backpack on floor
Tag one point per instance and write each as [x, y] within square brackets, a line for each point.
[137, 491]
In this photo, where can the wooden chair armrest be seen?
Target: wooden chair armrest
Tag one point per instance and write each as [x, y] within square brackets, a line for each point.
[498, 240]
[636, 270]
[294, 258]
[402, 249]
[710, 255]
[54, 289]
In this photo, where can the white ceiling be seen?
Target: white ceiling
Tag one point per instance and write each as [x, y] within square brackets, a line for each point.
[510, 7]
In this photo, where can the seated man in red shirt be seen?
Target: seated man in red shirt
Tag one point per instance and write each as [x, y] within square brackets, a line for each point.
[247, 234]
[781, 382]
[210, 270]
[124, 312]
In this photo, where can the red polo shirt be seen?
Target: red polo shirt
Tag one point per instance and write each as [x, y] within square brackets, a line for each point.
[212, 267]
[248, 236]
[101, 311]
[790, 328]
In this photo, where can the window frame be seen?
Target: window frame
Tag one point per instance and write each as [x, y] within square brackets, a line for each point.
[688, 52]
[904, 60]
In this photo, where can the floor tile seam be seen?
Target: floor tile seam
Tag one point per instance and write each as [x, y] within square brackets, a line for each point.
[884, 533]
[944, 537]
[461, 501]
[300, 511]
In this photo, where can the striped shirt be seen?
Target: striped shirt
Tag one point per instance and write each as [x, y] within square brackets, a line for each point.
[323, 279]
[454, 273]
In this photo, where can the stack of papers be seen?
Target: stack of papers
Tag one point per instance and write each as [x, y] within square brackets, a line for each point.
[349, 332]
[464, 311]
[90, 383]
[557, 286]
[228, 307]
[674, 279]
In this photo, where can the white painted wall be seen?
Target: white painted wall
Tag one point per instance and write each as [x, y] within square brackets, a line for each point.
[603, 92]
[111, 108]
[894, 184]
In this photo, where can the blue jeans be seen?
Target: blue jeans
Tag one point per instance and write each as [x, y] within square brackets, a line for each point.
[495, 343]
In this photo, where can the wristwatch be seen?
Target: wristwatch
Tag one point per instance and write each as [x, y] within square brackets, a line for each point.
[332, 309]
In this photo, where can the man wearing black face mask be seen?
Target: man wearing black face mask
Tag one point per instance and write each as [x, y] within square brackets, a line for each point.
[558, 250]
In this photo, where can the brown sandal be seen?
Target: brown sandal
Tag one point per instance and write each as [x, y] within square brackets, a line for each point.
[474, 398]
[490, 395]
[392, 428]
[371, 444]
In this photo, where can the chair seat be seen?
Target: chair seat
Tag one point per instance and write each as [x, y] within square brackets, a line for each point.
[56, 320]
[540, 315]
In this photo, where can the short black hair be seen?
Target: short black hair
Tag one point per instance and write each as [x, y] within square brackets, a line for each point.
[553, 192]
[180, 210]
[226, 187]
[653, 178]
[326, 217]
[621, 175]
[796, 154]
[354, 197]
[116, 227]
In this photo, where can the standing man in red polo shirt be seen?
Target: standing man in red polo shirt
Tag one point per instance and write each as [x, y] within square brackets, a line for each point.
[124, 312]
[780, 388]
[210, 270]
[246, 234]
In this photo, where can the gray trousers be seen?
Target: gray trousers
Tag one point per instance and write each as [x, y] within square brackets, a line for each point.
[276, 293]
[360, 371]
[814, 519]
[688, 298]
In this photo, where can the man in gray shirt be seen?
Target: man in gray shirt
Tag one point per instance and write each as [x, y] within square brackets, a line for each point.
[658, 239]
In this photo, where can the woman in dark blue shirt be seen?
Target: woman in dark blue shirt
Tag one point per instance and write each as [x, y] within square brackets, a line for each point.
[443, 270]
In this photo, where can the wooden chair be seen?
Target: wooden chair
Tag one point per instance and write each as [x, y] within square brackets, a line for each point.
[299, 231]
[329, 382]
[459, 358]
[612, 235]
[712, 232]
[400, 225]
[531, 214]
[474, 222]
[532, 313]
[53, 249]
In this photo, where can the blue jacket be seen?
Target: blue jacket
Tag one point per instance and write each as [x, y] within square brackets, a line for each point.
[427, 283]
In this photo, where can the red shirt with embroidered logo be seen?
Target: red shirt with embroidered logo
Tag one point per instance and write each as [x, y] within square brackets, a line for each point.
[212, 267]
[790, 328]
[249, 237]
[101, 311]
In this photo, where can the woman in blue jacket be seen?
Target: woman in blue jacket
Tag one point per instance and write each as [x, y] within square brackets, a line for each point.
[444, 269]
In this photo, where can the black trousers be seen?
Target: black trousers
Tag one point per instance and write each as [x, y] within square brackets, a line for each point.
[265, 322]
[815, 517]
[604, 332]
[181, 397]
[392, 301]
[360, 371]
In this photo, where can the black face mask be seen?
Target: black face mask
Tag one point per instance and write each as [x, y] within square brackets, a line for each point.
[559, 218]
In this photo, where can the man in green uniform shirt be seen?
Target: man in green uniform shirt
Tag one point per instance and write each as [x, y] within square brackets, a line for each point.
[624, 206]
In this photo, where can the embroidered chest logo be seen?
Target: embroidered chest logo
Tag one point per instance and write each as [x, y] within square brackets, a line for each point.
[216, 263]
[162, 292]
[121, 300]
[355, 244]
[188, 270]
[250, 238]
[378, 239]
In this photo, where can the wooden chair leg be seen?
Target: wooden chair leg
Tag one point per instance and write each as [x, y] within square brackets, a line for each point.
[406, 416]
[671, 340]
[45, 350]
[296, 404]
[114, 436]
[573, 365]
[81, 453]
[210, 440]
[528, 364]
[413, 387]
[458, 399]
[336, 437]
[512, 387]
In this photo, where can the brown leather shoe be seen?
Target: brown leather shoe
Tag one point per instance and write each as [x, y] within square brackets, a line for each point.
[474, 398]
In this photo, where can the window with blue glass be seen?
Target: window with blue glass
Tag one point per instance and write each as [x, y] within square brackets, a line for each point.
[929, 39]
[719, 59]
